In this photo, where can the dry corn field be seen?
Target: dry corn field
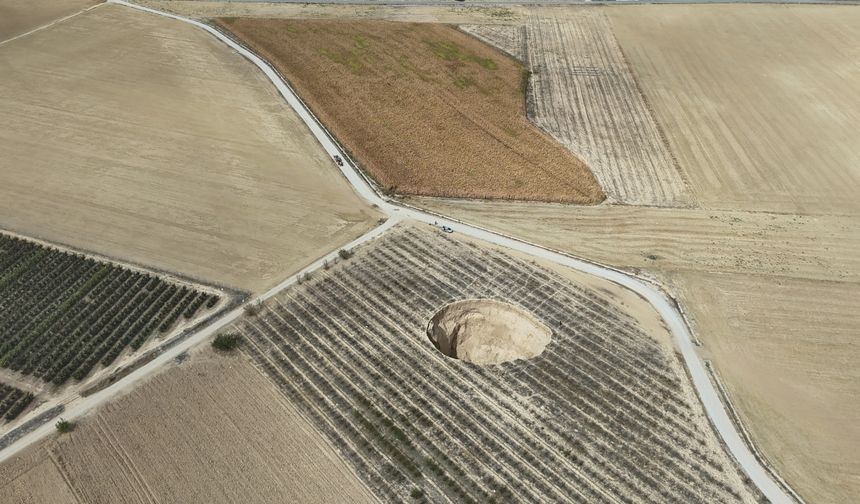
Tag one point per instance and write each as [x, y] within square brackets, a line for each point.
[604, 414]
[583, 93]
[424, 108]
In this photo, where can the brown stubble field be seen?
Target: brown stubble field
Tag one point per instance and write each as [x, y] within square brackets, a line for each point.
[146, 139]
[424, 108]
[211, 430]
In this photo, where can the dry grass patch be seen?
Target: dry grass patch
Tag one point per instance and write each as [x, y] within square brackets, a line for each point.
[425, 108]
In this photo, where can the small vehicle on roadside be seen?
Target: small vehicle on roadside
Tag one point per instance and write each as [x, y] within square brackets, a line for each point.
[338, 160]
[446, 229]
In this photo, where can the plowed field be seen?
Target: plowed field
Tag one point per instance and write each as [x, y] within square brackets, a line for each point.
[424, 108]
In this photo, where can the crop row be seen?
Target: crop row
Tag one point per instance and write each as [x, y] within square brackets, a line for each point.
[62, 314]
[600, 416]
[584, 94]
[13, 401]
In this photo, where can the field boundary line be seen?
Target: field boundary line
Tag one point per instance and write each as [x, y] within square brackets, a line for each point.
[172, 276]
[66, 479]
[52, 23]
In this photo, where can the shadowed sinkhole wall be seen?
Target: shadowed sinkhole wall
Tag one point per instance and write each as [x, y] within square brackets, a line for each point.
[486, 331]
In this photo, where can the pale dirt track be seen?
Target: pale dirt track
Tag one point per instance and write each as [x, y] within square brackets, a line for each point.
[673, 319]
[143, 138]
[212, 430]
[21, 16]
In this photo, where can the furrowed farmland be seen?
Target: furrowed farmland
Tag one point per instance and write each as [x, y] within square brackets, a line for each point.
[211, 430]
[62, 313]
[424, 108]
[581, 91]
[603, 413]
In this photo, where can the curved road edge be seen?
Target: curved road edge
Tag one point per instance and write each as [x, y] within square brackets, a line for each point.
[709, 396]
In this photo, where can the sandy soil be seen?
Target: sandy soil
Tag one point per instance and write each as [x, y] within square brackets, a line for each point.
[424, 108]
[21, 16]
[143, 138]
[211, 430]
[768, 121]
[486, 331]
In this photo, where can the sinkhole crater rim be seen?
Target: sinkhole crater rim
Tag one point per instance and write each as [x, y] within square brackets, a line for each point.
[487, 331]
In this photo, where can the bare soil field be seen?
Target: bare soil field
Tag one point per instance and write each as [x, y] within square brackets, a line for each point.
[146, 139]
[33, 478]
[582, 92]
[424, 108]
[773, 297]
[768, 120]
[787, 351]
[21, 16]
[604, 413]
[818, 247]
[211, 430]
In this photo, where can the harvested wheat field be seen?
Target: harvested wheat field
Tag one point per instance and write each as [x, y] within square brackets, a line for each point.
[144, 138]
[759, 103]
[211, 430]
[582, 92]
[424, 108]
[604, 413]
[20, 16]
